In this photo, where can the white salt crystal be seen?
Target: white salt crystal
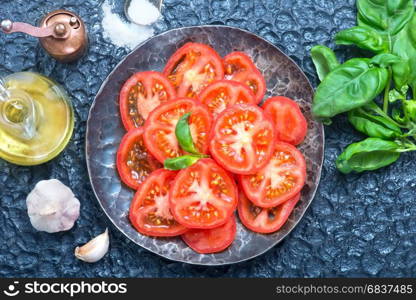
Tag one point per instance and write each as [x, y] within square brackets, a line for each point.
[121, 33]
[143, 12]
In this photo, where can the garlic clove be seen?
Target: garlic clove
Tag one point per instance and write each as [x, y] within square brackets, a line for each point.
[95, 249]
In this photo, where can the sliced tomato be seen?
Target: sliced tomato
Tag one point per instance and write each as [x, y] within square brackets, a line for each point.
[192, 67]
[242, 139]
[142, 93]
[159, 135]
[149, 211]
[265, 220]
[225, 93]
[291, 125]
[203, 195]
[134, 163]
[280, 180]
[213, 240]
[238, 66]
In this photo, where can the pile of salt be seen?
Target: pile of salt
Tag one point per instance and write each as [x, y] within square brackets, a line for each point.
[121, 33]
[143, 12]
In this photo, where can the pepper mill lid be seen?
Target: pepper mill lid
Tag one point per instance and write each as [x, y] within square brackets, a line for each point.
[61, 33]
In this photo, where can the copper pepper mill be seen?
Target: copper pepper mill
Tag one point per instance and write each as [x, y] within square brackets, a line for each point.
[61, 33]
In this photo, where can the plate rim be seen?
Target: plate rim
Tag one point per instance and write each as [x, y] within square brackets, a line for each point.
[103, 84]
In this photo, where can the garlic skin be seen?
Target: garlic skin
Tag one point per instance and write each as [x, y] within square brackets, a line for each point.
[95, 249]
[52, 206]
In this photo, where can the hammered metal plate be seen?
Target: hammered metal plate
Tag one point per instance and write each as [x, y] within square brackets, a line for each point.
[104, 132]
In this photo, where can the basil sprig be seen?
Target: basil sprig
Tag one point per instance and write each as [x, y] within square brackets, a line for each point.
[386, 28]
[184, 137]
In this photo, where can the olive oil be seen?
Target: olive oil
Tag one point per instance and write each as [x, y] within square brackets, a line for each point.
[36, 119]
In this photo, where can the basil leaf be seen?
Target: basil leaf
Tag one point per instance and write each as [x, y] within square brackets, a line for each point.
[181, 162]
[395, 94]
[405, 47]
[386, 59]
[369, 154]
[350, 85]
[409, 110]
[385, 15]
[373, 125]
[183, 134]
[324, 60]
[363, 37]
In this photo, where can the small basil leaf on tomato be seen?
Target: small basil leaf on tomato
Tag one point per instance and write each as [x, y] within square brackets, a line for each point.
[324, 60]
[373, 125]
[184, 136]
[369, 154]
[364, 38]
[181, 162]
[350, 85]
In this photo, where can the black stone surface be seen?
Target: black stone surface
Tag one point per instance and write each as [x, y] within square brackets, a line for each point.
[358, 225]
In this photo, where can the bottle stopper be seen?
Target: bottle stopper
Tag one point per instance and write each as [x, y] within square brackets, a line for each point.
[61, 33]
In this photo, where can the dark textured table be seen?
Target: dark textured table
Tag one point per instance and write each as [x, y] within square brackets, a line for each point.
[358, 225]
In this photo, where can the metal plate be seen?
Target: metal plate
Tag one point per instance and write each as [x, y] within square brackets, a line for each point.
[104, 132]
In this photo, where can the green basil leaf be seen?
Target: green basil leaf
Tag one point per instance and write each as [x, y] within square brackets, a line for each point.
[409, 110]
[397, 115]
[363, 37]
[385, 15]
[369, 154]
[386, 59]
[183, 134]
[373, 125]
[324, 60]
[181, 162]
[405, 47]
[401, 94]
[350, 85]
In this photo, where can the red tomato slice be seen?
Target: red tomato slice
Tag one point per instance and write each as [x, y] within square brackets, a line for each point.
[149, 212]
[242, 139]
[225, 93]
[159, 132]
[291, 125]
[213, 240]
[265, 220]
[134, 163]
[238, 66]
[203, 195]
[142, 93]
[192, 67]
[280, 180]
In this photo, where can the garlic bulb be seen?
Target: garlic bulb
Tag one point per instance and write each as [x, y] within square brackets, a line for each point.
[95, 249]
[52, 206]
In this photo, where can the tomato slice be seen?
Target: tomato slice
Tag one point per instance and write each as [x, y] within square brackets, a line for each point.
[192, 67]
[213, 240]
[242, 139]
[225, 93]
[203, 195]
[280, 180]
[149, 211]
[142, 93]
[238, 66]
[159, 135]
[291, 125]
[265, 220]
[134, 163]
